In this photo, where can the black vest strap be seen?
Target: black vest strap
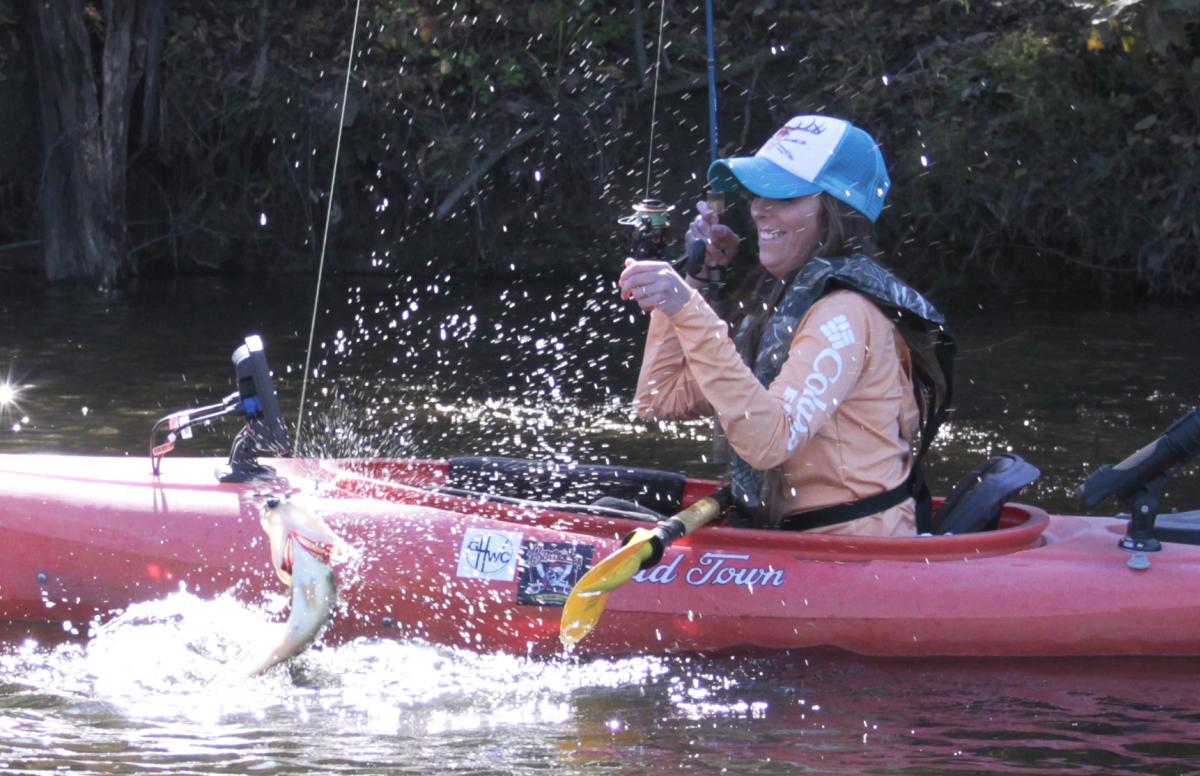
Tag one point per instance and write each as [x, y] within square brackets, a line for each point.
[919, 490]
[844, 513]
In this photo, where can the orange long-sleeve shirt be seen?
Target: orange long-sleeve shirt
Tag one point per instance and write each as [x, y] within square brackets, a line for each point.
[838, 420]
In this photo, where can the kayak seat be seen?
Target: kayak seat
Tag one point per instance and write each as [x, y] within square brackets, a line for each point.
[583, 484]
[976, 501]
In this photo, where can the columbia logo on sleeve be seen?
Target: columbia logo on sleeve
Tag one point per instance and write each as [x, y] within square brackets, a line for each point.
[801, 404]
[837, 330]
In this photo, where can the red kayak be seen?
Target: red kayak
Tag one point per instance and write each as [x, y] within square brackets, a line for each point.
[439, 557]
[482, 552]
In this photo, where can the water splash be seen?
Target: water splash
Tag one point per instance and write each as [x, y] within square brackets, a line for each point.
[413, 371]
[183, 659]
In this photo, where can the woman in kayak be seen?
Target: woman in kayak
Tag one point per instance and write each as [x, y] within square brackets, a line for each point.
[836, 373]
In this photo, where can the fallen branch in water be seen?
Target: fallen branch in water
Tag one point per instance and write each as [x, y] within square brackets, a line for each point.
[479, 170]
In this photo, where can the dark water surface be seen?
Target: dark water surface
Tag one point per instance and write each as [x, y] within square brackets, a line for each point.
[538, 370]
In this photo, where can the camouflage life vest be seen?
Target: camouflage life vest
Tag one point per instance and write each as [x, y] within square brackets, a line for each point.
[921, 325]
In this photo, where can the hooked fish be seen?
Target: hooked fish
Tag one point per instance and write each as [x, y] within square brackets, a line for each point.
[303, 549]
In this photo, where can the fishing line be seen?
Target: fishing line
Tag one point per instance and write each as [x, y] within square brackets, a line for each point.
[337, 150]
[662, 13]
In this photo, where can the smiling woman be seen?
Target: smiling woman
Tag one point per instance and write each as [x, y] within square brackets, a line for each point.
[832, 376]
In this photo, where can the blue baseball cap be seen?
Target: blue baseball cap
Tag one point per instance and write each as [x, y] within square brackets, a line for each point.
[810, 154]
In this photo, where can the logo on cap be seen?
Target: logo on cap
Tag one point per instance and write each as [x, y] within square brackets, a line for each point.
[790, 134]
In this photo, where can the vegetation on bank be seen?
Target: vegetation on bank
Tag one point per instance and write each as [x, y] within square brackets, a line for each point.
[1031, 142]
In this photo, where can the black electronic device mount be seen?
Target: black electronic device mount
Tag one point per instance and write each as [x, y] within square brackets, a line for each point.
[264, 432]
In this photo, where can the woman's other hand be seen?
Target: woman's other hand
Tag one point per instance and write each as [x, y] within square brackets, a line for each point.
[654, 285]
[720, 242]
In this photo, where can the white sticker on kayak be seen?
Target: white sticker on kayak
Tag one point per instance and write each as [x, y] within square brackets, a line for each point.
[488, 554]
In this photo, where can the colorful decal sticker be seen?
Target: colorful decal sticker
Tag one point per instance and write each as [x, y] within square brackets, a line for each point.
[488, 554]
[549, 570]
[713, 568]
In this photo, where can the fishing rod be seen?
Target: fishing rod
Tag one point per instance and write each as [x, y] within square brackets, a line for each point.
[716, 200]
[650, 216]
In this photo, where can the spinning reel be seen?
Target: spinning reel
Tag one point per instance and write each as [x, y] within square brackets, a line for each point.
[651, 224]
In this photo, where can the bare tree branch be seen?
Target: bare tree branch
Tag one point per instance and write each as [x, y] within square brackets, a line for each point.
[479, 170]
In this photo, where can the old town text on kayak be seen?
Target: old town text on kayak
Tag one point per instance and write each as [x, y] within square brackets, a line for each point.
[713, 568]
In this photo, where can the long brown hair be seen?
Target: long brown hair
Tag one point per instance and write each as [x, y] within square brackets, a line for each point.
[844, 232]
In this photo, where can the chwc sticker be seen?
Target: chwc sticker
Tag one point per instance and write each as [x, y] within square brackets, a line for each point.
[549, 570]
[488, 554]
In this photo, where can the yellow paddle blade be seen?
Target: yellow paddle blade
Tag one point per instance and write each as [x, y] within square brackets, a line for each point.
[580, 615]
[586, 602]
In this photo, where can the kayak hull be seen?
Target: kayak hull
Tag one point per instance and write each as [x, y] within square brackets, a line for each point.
[85, 537]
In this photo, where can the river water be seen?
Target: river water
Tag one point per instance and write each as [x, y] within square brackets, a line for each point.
[433, 368]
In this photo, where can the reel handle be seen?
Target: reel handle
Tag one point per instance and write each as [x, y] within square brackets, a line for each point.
[716, 275]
